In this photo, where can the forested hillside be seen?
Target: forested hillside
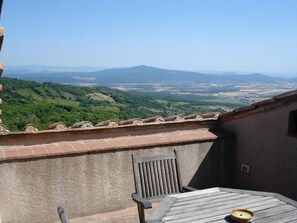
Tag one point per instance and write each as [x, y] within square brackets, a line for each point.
[42, 104]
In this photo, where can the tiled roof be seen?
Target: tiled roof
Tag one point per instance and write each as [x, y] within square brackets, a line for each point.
[262, 106]
[60, 126]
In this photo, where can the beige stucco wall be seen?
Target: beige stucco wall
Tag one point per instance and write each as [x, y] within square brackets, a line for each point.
[30, 191]
[262, 143]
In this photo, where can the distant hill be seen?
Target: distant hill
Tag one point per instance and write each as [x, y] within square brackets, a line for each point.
[42, 104]
[140, 74]
[26, 69]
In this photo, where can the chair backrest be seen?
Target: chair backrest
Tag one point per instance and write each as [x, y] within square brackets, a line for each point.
[62, 215]
[156, 175]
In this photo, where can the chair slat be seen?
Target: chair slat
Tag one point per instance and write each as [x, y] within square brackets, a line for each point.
[167, 175]
[153, 179]
[146, 184]
[149, 179]
[176, 189]
[161, 182]
[155, 163]
[141, 178]
[171, 175]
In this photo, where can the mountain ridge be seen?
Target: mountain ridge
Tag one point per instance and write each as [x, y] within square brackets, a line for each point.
[143, 74]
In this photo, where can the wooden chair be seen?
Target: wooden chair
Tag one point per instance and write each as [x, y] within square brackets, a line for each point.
[155, 177]
[62, 215]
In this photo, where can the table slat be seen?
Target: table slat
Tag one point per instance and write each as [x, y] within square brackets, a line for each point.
[215, 208]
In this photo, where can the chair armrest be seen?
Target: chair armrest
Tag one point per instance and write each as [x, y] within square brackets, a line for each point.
[188, 189]
[139, 200]
[62, 215]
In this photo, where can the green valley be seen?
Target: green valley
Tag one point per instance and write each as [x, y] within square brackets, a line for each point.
[41, 104]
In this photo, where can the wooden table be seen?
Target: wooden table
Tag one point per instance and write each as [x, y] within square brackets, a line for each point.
[215, 204]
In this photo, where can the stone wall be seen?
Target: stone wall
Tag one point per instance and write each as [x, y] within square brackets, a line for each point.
[263, 143]
[86, 184]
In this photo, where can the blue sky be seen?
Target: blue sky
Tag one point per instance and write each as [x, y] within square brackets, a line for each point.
[222, 35]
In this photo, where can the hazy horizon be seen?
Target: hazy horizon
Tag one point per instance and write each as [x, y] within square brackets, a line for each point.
[44, 68]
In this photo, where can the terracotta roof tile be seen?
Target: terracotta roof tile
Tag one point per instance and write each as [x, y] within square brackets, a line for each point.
[66, 147]
[108, 123]
[11, 154]
[193, 116]
[80, 146]
[132, 121]
[3, 129]
[210, 115]
[156, 119]
[39, 151]
[92, 145]
[26, 152]
[173, 118]
[30, 128]
[53, 149]
[82, 124]
[106, 144]
[57, 126]
[2, 157]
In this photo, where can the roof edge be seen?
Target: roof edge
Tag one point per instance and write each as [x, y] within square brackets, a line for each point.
[261, 106]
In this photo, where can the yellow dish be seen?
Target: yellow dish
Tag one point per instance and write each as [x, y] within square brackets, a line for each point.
[242, 215]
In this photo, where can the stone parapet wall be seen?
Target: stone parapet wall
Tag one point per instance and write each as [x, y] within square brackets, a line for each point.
[90, 183]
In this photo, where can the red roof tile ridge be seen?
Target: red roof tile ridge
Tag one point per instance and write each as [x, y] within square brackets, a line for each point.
[82, 124]
[3, 129]
[57, 126]
[30, 128]
[132, 121]
[174, 118]
[108, 123]
[156, 120]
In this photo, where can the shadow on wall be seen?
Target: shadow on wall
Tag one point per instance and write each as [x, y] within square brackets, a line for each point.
[216, 169]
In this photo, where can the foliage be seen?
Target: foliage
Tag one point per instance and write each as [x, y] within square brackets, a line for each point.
[44, 103]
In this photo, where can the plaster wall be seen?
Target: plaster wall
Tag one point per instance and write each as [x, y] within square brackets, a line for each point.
[94, 183]
[262, 143]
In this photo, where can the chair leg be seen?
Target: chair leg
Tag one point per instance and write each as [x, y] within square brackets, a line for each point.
[141, 213]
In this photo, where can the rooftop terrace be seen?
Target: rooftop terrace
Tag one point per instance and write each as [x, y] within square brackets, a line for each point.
[88, 170]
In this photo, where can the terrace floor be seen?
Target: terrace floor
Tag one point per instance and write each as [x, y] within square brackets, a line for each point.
[128, 215]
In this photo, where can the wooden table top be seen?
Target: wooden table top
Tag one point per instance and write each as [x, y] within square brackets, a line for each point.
[215, 204]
